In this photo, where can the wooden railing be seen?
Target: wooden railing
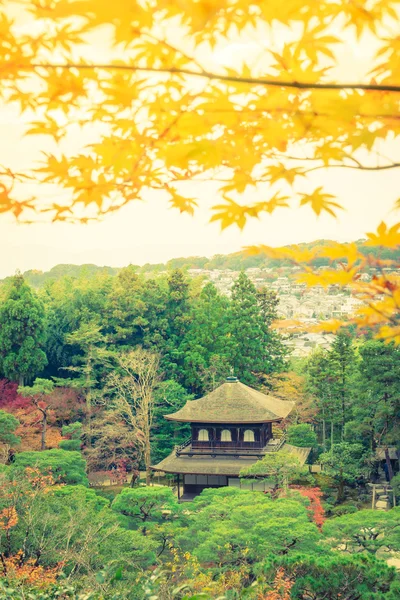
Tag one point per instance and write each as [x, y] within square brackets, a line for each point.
[275, 447]
[185, 444]
[233, 445]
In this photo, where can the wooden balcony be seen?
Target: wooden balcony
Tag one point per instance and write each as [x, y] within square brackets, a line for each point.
[218, 448]
[233, 445]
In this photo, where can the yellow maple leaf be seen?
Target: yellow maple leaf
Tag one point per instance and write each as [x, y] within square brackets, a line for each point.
[385, 236]
[180, 202]
[320, 201]
[232, 213]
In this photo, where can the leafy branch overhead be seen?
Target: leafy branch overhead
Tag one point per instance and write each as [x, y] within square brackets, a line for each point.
[155, 102]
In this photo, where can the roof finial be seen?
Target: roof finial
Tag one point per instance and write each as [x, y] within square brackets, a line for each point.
[231, 378]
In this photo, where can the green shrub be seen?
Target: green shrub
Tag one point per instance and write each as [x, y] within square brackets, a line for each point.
[302, 435]
[65, 466]
[344, 509]
[70, 445]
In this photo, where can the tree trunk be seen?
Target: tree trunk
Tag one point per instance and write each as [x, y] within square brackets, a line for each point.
[44, 430]
[88, 419]
[340, 494]
[324, 434]
[332, 440]
[147, 462]
[21, 380]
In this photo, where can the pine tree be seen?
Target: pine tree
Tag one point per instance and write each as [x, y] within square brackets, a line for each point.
[206, 344]
[177, 324]
[274, 351]
[376, 406]
[256, 351]
[343, 358]
[22, 333]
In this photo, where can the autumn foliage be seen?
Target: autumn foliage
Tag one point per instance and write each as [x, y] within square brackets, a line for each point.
[281, 587]
[165, 106]
[315, 508]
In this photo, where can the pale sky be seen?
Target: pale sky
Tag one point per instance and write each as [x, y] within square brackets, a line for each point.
[152, 232]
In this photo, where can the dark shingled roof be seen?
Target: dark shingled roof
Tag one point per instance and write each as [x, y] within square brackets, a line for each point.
[233, 402]
[221, 465]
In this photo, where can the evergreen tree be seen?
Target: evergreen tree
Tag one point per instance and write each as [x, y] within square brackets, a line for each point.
[207, 341]
[255, 350]
[320, 378]
[275, 352]
[376, 405]
[169, 397]
[124, 319]
[178, 318]
[22, 332]
[343, 359]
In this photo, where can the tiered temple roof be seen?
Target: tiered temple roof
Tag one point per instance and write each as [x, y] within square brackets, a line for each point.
[233, 403]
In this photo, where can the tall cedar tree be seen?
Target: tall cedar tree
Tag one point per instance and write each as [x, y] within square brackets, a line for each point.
[376, 406]
[207, 341]
[22, 333]
[320, 378]
[178, 319]
[125, 309]
[343, 358]
[254, 348]
[275, 352]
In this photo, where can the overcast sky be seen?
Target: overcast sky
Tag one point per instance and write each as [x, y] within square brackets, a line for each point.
[152, 232]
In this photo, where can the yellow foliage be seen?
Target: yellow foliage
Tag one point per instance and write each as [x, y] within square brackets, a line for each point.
[142, 89]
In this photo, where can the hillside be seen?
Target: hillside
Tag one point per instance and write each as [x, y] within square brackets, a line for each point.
[236, 261]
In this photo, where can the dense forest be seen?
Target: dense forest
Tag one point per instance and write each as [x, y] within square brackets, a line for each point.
[91, 364]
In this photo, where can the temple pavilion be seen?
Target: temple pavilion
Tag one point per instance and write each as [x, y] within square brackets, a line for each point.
[231, 428]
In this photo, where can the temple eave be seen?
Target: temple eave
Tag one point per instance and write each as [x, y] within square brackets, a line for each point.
[224, 421]
[228, 466]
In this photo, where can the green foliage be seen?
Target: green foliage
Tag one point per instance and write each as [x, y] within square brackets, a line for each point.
[206, 362]
[145, 505]
[365, 530]
[73, 525]
[280, 468]
[22, 332]
[8, 425]
[336, 576]
[302, 435]
[255, 351]
[169, 397]
[73, 431]
[345, 462]
[40, 388]
[228, 527]
[376, 406]
[70, 445]
[395, 483]
[73, 434]
[65, 467]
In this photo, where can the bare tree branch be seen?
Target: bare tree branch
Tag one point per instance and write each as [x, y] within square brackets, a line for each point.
[301, 85]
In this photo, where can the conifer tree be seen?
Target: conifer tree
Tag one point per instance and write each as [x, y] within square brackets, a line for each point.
[256, 350]
[246, 331]
[207, 341]
[177, 316]
[343, 358]
[22, 333]
[275, 352]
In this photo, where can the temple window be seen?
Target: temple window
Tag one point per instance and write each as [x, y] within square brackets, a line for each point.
[248, 435]
[203, 435]
[226, 435]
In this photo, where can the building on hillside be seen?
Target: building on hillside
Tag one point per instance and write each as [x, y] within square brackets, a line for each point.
[232, 427]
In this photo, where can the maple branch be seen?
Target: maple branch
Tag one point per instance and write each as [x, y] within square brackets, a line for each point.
[359, 167]
[301, 85]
